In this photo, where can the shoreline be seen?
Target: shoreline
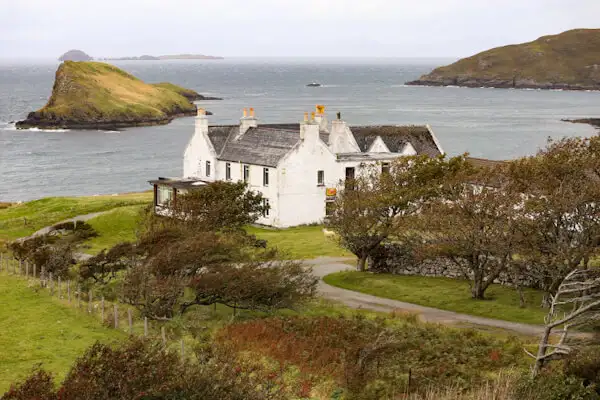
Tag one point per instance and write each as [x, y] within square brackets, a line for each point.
[451, 82]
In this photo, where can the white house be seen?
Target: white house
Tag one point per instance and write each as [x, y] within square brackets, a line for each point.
[296, 167]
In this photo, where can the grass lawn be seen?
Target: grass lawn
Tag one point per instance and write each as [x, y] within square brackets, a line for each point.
[301, 242]
[23, 219]
[445, 294]
[38, 329]
[118, 225]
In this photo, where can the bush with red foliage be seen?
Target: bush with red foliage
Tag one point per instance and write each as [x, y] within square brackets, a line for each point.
[358, 351]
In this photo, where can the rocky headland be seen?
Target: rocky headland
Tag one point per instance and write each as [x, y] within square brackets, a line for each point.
[567, 61]
[166, 57]
[94, 95]
[595, 122]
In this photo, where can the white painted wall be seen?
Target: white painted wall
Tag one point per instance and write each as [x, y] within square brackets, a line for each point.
[198, 151]
[341, 139]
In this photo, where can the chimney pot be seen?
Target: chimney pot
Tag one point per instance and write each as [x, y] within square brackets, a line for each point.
[201, 112]
[312, 116]
[305, 117]
[252, 112]
[245, 112]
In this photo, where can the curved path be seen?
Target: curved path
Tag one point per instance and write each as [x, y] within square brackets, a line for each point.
[85, 217]
[326, 265]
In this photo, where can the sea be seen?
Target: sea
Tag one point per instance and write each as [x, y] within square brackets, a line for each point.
[487, 123]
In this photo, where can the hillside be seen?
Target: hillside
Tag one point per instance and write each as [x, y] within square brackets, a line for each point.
[570, 60]
[94, 95]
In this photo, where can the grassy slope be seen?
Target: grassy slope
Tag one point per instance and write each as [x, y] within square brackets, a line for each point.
[118, 225]
[564, 58]
[187, 93]
[99, 92]
[38, 329]
[445, 294]
[301, 242]
[48, 211]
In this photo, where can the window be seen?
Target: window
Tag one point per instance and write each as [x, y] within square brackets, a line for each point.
[246, 173]
[385, 168]
[228, 171]
[267, 207]
[265, 176]
[165, 195]
[349, 178]
[320, 178]
[208, 168]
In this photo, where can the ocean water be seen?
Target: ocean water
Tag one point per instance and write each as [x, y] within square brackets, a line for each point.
[489, 123]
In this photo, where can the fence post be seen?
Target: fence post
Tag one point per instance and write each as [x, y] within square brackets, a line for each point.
[14, 264]
[1, 259]
[51, 285]
[130, 320]
[163, 335]
[34, 270]
[102, 309]
[26, 269]
[116, 308]
[78, 296]
[20, 267]
[145, 326]
[90, 302]
[42, 276]
[182, 351]
[69, 290]
[58, 288]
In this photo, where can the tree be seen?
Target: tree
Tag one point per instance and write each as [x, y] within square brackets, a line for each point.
[576, 302]
[369, 210]
[473, 227]
[560, 224]
[219, 206]
[104, 266]
[201, 257]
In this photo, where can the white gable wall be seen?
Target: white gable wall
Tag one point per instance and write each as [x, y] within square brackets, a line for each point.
[378, 146]
[198, 151]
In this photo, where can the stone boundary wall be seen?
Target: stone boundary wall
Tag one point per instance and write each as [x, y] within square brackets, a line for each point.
[398, 260]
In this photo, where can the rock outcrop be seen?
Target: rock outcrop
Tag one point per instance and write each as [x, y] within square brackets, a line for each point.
[567, 61]
[94, 95]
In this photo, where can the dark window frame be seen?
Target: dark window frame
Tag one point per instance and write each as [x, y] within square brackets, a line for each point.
[265, 177]
[320, 177]
[228, 171]
[207, 170]
[246, 173]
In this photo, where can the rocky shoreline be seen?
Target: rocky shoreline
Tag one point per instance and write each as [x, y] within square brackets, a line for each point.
[33, 121]
[464, 81]
[595, 122]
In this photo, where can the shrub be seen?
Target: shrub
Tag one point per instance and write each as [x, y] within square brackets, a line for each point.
[39, 385]
[554, 386]
[357, 352]
[144, 370]
[585, 364]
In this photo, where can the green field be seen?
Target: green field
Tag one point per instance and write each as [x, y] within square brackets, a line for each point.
[118, 225]
[302, 242]
[20, 220]
[444, 293]
[39, 329]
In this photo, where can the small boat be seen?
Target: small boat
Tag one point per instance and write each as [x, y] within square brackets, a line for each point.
[314, 84]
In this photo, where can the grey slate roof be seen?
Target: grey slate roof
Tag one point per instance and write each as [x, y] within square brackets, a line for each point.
[264, 145]
[269, 143]
[396, 137]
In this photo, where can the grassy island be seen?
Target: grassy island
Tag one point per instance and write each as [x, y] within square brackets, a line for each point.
[568, 61]
[94, 95]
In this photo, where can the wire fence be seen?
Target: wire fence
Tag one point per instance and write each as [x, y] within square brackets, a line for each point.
[70, 293]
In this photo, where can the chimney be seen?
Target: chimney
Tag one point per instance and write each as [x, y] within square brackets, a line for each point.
[201, 121]
[309, 128]
[338, 130]
[247, 122]
[320, 117]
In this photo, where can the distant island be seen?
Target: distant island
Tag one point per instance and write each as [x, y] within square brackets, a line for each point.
[569, 61]
[94, 95]
[75, 55]
[167, 57]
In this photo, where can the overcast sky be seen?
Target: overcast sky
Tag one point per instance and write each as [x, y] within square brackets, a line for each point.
[364, 28]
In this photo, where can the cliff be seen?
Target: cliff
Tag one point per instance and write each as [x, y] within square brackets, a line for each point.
[570, 60]
[75, 55]
[94, 95]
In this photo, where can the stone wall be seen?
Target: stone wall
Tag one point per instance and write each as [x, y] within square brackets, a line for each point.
[398, 259]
